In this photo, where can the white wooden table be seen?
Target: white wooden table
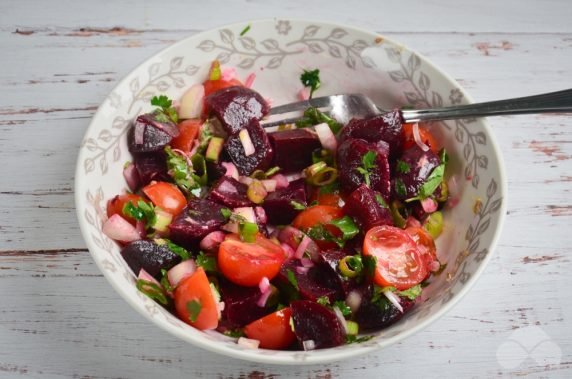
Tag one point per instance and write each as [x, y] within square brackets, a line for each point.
[59, 59]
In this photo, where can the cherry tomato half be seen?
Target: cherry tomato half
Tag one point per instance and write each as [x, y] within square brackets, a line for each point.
[245, 263]
[399, 262]
[425, 244]
[426, 137]
[189, 130]
[273, 331]
[115, 205]
[316, 215]
[195, 303]
[166, 196]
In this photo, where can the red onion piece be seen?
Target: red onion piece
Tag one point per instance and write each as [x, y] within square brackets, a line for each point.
[248, 343]
[295, 176]
[429, 205]
[245, 180]
[139, 132]
[434, 266]
[140, 227]
[306, 262]
[264, 298]
[246, 212]
[417, 138]
[302, 270]
[304, 93]
[249, 80]
[131, 176]
[264, 284]
[269, 184]
[394, 299]
[119, 229]
[181, 271]
[353, 300]
[231, 227]
[261, 217]
[192, 102]
[231, 170]
[281, 181]
[326, 136]
[212, 241]
[341, 319]
[309, 345]
[412, 222]
[144, 275]
[288, 250]
[291, 236]
[228, 73]
[302, 247]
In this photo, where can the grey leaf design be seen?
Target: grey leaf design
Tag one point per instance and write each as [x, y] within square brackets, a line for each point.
[413, 63]
[424, 82]
[459, 135]
[359, 45]
[246, 63]
[119, 123]
[89, 197]
[116, 153]
[411, 97]
[484, 226]
[467, 150]
[154, 69]
[99, 194]
[223, 57]
[465, 276]
[469, 234]
[393, 54]
[91, 144]
[315, 48]
[226, 36]
[474, 246]
[334, 51]
[480, 138]
[495, 205]
[350, 61]
[146, 96]
[338, 33]
[105, 135]
[103, 164]
[492, 188]
[483, 161]
[436, 99]
[247, 42]
[270, 44]
[191, 70]
[207, 45]
[162, 86]
[397, 76]
[98, 241]
[176, 63]
[275, 62]
[368, 62]
[475, 181]
[114, 100]
[89, 218]
[179, 82]
[134, 85]
[481, 255]
[310, 31]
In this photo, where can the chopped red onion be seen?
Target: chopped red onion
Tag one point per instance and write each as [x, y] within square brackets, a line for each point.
[412, 222]
[353, 300]
[248, 343]
[269, 184]
[306, 262]
[434, 266]
[181, 271]
[139, 132]
[264, 298]
[212, 240]
[261, 217]
[302, 247]
[394, 299]
[119, 229]
[140, 227]
[295, 176]
[341, 319]
[304, 93]
[220, 306]
[290, 236]
[302, 270]
[417, 138]
[249, 80]
[247, 144]
[288, 250]
[228, 73]
[231, 227]
[264, 284]
[144, 275]
[246, 212]
[231, 170]
[326, 136]
[429, 205]
[245, 180]
[453, 185]
[192, 102]
[309, 345]
[131, 176]
[281, 181]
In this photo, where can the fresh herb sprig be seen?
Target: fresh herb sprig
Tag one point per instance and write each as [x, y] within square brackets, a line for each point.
[311, 79]
[312, 116]
[165, 109]
[142, 211]
[368, 164]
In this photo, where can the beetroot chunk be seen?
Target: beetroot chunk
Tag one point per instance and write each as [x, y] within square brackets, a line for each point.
[149, 256]
[312, 284]
[315, 322]
[240, 306]
[350, 160]
[365, 208]
[385, 127]
[278, 204]
[414, 167]
[230, 192]
[381, 313]
[293, 148]
[156, 133]
[151, 166]
[199, 218]
[262, 157]
[236, 107]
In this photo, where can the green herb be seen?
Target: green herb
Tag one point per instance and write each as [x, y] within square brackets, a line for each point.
[292, 279]
[380, 200]
[352, 338]
[368, 164]
[180, 171]
[398, 213]
[400, 188]
[342, 306]
[311, 79]
[206, 135]
[271, 171]
[443, 156]
[297, 206]
[179, 250]
[194, 308]
[245, 30]
[411, 293]
[165, 281]
[142, 211]
[434, 179]
[207, 262]
[312, 116]
[369, 264]
[165, 108]
[322, 155]
[323, 300]
[402, 167]
[226, 213]
[347, 226]
[152, 290]
[320, 233]
[200, 169]
[330, 188]
[248, 231]
[234, 333]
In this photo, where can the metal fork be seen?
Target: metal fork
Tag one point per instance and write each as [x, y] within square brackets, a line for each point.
[345, 107]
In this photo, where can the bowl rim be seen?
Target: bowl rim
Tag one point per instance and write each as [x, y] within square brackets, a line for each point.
[284, 357]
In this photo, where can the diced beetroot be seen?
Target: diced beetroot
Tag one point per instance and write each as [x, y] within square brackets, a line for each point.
[230, 192]
[315, 322]
[417, 166]
[151, 166]
[262, 157]
[363, 206]
[236, 107]
[147, 255]
[199, 218]
[386, 127]
[330, 259]
[350, 158]
[293, 148]
[278, 204]
[156, 135]
[240, 306]
[313, 283]
[215, 171]
[373, 316]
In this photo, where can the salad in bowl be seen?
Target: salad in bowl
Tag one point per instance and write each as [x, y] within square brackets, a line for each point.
[277, 245]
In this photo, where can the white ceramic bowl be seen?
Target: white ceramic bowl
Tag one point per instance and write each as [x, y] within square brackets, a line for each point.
[350, 60]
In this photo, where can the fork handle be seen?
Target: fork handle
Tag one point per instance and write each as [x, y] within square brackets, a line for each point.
[560, 101]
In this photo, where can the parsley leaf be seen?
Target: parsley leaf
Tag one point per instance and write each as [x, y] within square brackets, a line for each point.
[207, 262]
[180, 251]
[411, 293]
[368, 163]
[194, 308]
[152, 290]
[347, 226]
[292, 279]
[380, 200]
[141, 211]
[311, 79]
[226, 213]
[402, 167]
[165, 108]
[432, 182]
[400, 189]
[342, 306]
[369, 264]
[312, 116]
[323, 300]
[245, 30]
[352, 338]
[165, 281]
[181, 171]
[297, 206]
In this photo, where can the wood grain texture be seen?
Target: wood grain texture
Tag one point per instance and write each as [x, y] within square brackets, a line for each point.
[60, 318]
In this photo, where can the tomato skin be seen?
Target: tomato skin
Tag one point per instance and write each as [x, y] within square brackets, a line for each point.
[189, 130]
[273, 331]
[216, 85]
[166, 196]
[246, 263]
[115, 205]
[197, 288]
[425, 244]
[320, 214]
[399, 262]
[426, 137]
